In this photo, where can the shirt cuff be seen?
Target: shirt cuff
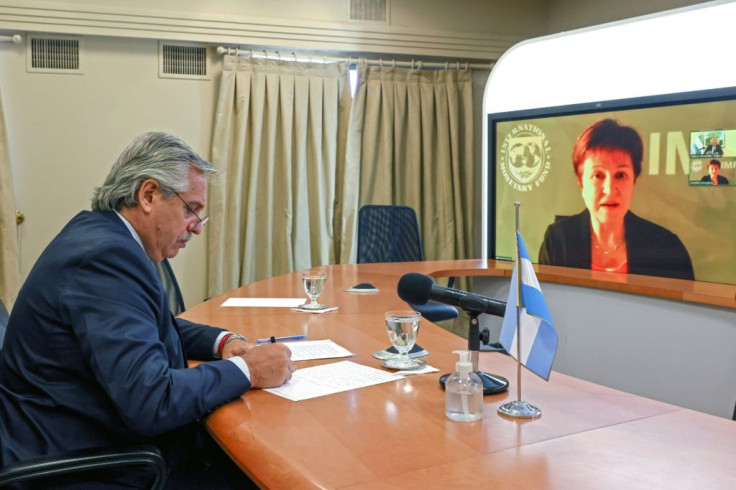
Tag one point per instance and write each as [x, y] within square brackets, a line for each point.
[242, 365]
[217, 341]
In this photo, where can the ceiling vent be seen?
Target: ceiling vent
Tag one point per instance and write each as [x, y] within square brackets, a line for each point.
[54, 54]
[182, 61]
[368, 11]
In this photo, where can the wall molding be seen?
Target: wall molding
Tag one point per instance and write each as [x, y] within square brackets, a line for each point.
[233, 30]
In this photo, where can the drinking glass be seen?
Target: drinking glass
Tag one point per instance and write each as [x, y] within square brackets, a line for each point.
[314, 283]
[402, 327]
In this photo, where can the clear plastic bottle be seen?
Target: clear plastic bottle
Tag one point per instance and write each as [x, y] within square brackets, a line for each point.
[464, 391]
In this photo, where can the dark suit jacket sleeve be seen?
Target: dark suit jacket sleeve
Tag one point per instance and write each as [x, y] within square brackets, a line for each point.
[199, 340]
[113, 302]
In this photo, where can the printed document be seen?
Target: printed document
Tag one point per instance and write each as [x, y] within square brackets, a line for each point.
[331, 378]
[306, 350]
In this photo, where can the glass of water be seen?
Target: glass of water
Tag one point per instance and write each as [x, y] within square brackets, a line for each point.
[314, 283]
[402, 327]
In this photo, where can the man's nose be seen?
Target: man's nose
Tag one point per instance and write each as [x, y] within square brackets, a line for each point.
[195, 227]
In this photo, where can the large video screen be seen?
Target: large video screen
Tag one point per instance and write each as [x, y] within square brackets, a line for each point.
[639, 186]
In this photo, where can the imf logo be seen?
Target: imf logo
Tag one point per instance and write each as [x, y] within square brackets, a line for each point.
[525, 157]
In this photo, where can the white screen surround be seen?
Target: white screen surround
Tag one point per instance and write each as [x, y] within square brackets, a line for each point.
[663, 53]
[669, 350]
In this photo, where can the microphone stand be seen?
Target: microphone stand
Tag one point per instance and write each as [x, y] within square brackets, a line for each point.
[492, 383]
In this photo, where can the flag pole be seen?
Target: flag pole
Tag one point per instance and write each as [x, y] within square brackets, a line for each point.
[518, 408]
[519, 304]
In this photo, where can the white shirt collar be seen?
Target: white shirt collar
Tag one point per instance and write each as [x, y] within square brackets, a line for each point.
[132, 231]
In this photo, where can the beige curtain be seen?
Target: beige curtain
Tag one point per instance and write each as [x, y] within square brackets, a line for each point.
[9, 250]
[279, 137]
[411, 142]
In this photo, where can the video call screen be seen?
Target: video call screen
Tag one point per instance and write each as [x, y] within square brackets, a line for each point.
[685, 138]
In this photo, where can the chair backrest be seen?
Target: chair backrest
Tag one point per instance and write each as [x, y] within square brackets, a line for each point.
[171, 286]
[3, 323]
[388, 234]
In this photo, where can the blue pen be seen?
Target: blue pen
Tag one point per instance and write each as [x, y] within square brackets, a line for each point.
[281, 339]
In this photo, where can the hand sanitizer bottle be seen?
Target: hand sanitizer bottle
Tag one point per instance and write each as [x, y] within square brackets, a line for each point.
[464, 391]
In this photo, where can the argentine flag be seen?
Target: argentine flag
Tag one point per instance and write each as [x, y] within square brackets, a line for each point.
[538, 335]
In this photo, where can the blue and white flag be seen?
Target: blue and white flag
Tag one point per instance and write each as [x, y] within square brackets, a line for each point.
[538, 335]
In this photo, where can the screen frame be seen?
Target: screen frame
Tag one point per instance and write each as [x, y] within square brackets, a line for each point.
[493, 119]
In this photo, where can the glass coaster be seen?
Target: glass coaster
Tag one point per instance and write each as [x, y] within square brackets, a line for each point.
[394, 363]
[416, 351]
[311, 307]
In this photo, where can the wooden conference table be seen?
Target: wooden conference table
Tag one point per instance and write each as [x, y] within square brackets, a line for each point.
[396, 435]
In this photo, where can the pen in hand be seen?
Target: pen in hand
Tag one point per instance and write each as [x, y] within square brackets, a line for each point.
[273, 339]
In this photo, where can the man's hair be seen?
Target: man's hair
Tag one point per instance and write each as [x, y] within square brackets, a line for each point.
[155, 155]
[715, 162]
[608, 134]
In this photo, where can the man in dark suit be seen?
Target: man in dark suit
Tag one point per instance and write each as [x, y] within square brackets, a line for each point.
[714, 148]
[93, 355]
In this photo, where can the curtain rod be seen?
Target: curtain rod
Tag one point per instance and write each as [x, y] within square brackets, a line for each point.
[15, 38]
[304, 58]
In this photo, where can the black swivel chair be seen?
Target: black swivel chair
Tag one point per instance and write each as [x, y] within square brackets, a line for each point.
[391, 234]
[51, 467]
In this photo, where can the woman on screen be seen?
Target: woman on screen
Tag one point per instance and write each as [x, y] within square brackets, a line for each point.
[607, 236]
[713, 177]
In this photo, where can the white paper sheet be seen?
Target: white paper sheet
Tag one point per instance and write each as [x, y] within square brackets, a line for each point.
[331, 378]
[264, 302]
[316, 349]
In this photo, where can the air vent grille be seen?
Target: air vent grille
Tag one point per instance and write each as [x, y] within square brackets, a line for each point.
[183, 61]
[374, 11]
[54, 54]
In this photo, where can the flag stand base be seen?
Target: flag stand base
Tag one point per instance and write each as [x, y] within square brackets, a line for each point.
[519, 409]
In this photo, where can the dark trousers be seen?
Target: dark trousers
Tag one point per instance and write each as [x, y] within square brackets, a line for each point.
[214, 469]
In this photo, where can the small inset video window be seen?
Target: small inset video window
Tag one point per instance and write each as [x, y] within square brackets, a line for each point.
[707, 143]
[713, 171]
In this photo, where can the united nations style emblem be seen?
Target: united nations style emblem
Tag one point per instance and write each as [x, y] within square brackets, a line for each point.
[696, 166]
[525, 157]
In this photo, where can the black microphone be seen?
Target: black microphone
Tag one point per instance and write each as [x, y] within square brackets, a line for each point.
[417, 289]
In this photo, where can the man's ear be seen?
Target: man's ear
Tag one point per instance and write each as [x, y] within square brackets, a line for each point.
[146, 193]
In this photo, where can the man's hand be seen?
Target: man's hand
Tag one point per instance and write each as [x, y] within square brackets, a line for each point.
[237, 347]
[270, 365]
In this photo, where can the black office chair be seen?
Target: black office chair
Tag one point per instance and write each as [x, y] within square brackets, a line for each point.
[391, 234]
[71, 464]
[51, 467]
[171, 286]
